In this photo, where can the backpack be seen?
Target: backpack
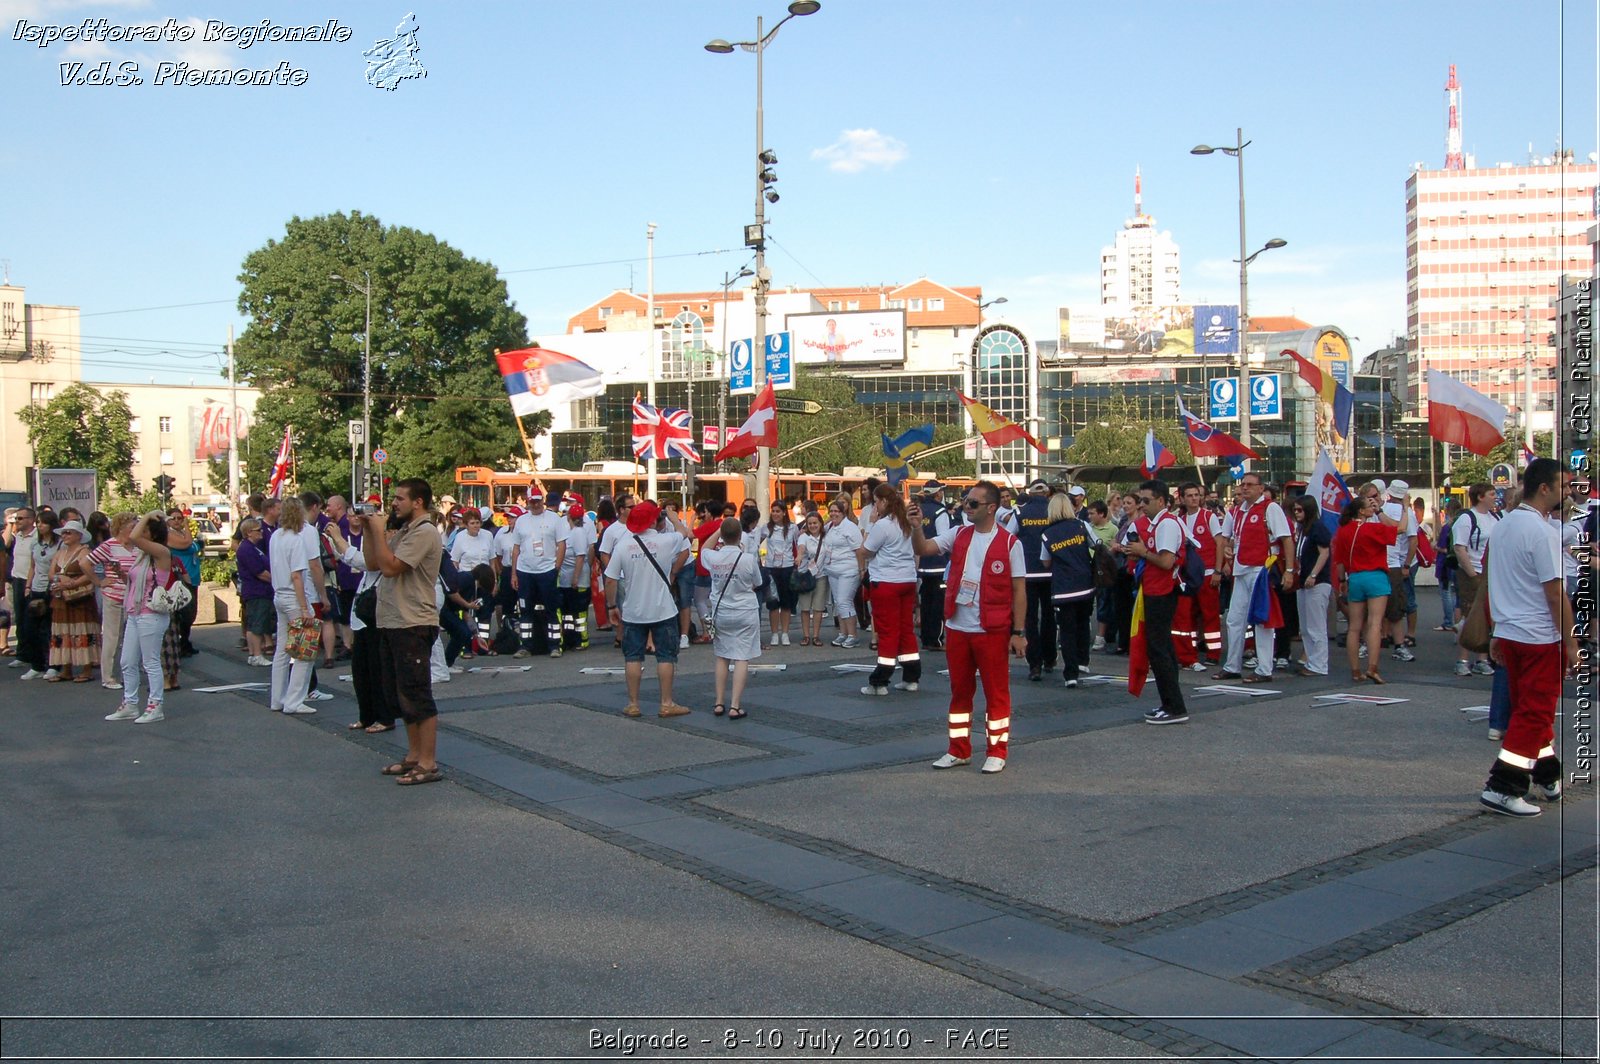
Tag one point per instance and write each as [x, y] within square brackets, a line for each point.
[1105, 566]
[1190, 572]
[1445, 548]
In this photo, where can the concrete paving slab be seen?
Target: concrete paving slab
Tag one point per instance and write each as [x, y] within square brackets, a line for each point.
[1325, 913]
[1218, 821]
[1054, 958]
[615, 810]
[1380, 1043]
[1218, 947]
[1431, 876]
[611, 745]
[1531, 956]
[693, 836]
[788, 867]
[908, 907]
[1527, 843]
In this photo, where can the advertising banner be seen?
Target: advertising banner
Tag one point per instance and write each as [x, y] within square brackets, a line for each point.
[66, 487]
[848, 336]
[1216, 329]
[1157, 331]
[209, 426]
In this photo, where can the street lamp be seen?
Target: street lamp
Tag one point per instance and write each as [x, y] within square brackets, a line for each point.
[722, 393]
[755, 235]
[366, 370]
[1237, 151]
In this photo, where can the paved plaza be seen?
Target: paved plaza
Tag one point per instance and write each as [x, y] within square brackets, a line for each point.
[1284, 877]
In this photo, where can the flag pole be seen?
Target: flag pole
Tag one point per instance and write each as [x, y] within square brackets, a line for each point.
[527, 444]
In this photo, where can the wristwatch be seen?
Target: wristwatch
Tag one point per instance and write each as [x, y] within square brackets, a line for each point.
[1016, 631]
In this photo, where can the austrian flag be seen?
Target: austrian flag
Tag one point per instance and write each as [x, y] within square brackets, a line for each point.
[664, 433]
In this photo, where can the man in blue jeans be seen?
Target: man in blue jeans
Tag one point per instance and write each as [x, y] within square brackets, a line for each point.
[641, 597]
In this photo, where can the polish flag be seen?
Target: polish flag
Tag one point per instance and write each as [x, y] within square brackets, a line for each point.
[1156, 457]
[760, 429]
[1460, 415]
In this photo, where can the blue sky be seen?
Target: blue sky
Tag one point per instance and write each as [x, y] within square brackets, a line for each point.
[990, 144]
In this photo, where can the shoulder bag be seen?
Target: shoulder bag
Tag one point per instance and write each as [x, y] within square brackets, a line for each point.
[1478, 628]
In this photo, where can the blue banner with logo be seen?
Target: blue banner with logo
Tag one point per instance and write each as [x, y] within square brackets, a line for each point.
[1216, 329]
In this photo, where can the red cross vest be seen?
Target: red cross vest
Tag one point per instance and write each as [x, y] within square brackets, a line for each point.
[1158, 581]
[994, 586]
[1251, 543]
[1198, 525]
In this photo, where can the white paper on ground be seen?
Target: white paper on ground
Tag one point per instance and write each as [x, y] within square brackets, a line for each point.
[233, 687]
[1231, 689]
[1371, 700]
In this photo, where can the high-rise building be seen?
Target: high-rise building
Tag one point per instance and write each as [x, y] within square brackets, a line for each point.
[1140, 271]
[1486, 250]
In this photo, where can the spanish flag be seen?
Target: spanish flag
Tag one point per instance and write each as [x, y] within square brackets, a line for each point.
[1138, 650]
[996, 431]
[1332, 392]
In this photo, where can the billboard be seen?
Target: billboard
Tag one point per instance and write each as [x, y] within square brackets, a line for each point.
[1333, 356]
[1155, 332]
[1216, 329]
[209, 426]
[848, 337]
[66, 487]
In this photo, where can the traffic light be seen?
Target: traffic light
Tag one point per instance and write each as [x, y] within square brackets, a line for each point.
[164, 485]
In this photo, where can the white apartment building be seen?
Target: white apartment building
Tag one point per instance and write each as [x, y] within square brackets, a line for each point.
[1141, 270]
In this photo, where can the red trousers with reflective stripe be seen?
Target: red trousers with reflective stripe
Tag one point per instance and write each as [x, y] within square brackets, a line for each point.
[1535, 671]
[893, 606]
[973, 657]
[1197, 614]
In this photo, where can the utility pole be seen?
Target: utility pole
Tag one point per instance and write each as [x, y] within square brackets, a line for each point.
[233, 434]
[650, 338]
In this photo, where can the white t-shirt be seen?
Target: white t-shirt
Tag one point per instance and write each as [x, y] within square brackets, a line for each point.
[810, 549]
[1403, 535]
[967, 617]
[1277, 528]
[469, 551]
[1527, 555]
[739, 571]
[614, 532]
[536, 537]
[1006, 518]
[891, 560]
[578, 538]
[1461, 535]
[645, 597]
[839, 543]
[22, 554]
[286, 555]
[779, 541]
[504, 541]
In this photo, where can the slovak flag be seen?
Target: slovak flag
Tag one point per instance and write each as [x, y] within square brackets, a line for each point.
[1156, 457]
[1457, 414]
[1207, 442]
[759, 430]
[1329, 489]
[280, 468]
[1527, 456]
[538, 378]
[663, 433]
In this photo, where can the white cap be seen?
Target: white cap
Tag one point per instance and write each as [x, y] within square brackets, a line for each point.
[1077, 489]
[486, 512]
[1398, 489]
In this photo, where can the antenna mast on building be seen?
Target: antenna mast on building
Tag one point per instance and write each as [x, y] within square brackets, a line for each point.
[1452, 138]
[1138, 192]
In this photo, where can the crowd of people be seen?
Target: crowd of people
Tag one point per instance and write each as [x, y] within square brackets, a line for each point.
[1050, 576]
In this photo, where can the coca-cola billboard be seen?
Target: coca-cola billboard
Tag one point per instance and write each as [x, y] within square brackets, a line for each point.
[209, 426]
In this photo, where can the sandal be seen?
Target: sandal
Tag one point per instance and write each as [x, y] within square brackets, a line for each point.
[399, 768]
[1255, 677]
[55, 679]
[737, 714]
[378, 729]
[420, 775]
[81, 679]
[1357, 676]
[718, 710]
[357, 726]
[1375, 678]
[1411, 641]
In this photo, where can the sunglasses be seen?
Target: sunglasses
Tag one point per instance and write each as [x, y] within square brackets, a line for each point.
[973, 504]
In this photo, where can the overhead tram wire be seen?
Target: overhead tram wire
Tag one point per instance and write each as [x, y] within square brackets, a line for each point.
[774, 242]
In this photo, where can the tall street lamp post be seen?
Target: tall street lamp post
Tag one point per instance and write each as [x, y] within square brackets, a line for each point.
[722, 393]
[366, 369]
[755, 236]
[1237, 151]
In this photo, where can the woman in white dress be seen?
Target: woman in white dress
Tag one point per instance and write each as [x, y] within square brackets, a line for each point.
[813, 601]
[843, 567]
[735, 611]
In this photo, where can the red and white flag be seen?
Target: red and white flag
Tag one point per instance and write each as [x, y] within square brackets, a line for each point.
[280, 468]
[760, 429]
[1460, 415]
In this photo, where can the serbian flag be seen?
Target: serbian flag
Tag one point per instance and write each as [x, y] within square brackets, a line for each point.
[1138, 652]
[280, 468]
[760, 429]
[1332, 392]
[538, 378]
[1207, 442]
[1457, 414]
[903, 446]
[1156, 457]
[997, 431]
[662, 433]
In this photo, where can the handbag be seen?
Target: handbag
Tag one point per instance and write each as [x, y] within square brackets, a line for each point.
[305, 639]
[78, 594]
[1478, 628]
[365, 606]
[172, 598]
[803, 582]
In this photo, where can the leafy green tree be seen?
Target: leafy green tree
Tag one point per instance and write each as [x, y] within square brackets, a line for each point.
[1466, 469]
[141, 503]
[84, 429]
[1118, 438]
[437, 319]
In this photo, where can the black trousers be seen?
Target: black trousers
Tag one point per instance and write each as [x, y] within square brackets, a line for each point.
[1122, 595]
[1282, 639]
[364, 677]
[1158, 613]
[19, 610]
[35, 638]
[1040, 624]
[1072, 618]
[930, 598]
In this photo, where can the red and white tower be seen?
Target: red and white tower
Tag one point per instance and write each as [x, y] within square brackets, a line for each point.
[1453, 159]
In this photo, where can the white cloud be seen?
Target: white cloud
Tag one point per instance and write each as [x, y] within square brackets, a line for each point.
[857, 149]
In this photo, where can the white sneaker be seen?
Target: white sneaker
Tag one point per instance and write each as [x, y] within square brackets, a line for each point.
[1463, 669]
[556, 653]
[905, 685]
[994, 764]
[1069, 683]
[1402, 654]
[31, 674]
[876, 691]
[53, 674]
[124, 712]
[951, 761]
[17, 664]
[1550, 792]
[838, 640]
[773, 641]
[1482, 668]
[1083, 670]
[1198, 666]
[851, 643]
[319, 696]
[785, 638]
[297, 712]
[1099, 643]
[457, 670]
[151, 715]
[1508, 804]
[683, 643]
[1280, 663]
[1250, 662]
[111, 685]
[1362, 652]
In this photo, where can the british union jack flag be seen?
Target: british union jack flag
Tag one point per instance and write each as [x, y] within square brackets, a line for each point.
[664, 433]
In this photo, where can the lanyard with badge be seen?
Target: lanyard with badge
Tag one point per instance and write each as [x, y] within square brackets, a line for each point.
[967, 593]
